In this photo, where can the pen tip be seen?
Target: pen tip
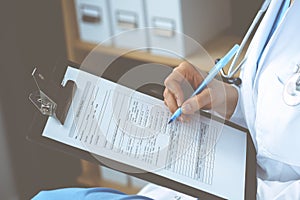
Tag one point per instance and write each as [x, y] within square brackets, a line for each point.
[170, 121]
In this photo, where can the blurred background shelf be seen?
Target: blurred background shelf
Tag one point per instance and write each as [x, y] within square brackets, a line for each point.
[77, 50]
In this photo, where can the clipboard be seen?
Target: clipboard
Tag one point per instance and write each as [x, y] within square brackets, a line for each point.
[39, 122]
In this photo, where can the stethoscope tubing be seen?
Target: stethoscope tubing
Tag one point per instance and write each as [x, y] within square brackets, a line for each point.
[232, 71]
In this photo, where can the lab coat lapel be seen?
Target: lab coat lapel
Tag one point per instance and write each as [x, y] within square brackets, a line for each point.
[260, 38]
[249, 69]
[265, 53]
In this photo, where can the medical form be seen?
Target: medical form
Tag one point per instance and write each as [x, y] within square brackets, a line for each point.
[118, 123]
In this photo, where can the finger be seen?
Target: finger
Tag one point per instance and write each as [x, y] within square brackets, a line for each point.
[190, 73]
[165, 103]
[172, 83]
[170, 101]
[197, 102]
[184, 118]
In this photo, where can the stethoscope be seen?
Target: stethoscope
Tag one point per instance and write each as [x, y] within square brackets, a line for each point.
[291, 92]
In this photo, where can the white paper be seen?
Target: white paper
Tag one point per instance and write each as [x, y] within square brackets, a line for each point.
[116, 122]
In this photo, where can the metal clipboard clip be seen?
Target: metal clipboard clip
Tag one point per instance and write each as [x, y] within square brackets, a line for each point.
[52, 99]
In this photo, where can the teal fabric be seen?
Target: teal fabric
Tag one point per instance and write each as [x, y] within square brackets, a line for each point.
[86, 194]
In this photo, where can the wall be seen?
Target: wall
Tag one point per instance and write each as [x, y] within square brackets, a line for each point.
[31, 35]
[244, 12]
[7, 184]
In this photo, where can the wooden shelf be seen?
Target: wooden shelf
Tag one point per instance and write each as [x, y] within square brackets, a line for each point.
[215, 49]
[136, 55]
[77, 50]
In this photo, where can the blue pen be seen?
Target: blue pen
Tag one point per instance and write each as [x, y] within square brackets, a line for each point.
[212, 73]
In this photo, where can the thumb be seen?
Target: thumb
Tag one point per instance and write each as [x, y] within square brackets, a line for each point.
[195, 103]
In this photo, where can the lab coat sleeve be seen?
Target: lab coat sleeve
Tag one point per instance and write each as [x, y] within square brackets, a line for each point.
[238, 114]
[278, 190]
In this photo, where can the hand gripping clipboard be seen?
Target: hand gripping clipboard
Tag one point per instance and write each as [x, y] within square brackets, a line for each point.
[250, 184]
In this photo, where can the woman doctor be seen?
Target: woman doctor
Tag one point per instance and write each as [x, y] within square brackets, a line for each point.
[264, 102]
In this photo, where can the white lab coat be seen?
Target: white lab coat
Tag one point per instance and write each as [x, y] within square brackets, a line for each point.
[274, 126]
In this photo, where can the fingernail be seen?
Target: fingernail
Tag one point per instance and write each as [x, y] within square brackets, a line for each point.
[186, 108]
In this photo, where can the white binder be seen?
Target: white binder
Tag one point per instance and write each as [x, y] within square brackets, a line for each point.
[128, 16]
[201, 20]
[93, 20]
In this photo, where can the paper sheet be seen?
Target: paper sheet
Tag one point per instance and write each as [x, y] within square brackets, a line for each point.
[116, 122]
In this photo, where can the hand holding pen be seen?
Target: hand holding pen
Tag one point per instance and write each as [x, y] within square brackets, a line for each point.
[203, 97]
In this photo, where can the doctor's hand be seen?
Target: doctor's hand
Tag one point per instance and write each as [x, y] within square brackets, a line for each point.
[218, 96]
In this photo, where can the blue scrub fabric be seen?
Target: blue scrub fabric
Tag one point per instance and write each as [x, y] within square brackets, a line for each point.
[86, 194]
